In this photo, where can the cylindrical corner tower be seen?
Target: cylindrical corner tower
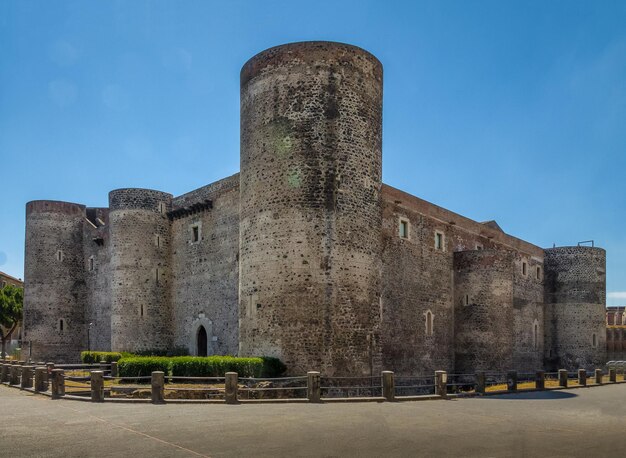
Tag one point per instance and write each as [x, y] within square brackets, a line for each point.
[54, 285]
[575, 279]
[139, 234]
[310, 228]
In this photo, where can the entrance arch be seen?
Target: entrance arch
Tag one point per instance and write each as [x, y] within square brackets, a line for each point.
[201, 342]
[201, 338]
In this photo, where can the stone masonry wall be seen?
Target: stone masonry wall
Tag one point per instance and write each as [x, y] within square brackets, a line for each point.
[310, 260]
[575, 297]
[54, 289]
[139, 250]
[205, 274]
[484, 322]
[96, 258]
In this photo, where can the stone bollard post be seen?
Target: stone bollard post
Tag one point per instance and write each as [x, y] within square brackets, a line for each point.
[481, 382]
[231, 387]
[4, 372]
[313, 386]
[441, 383]
[158, 387]
[598, 375]
[389, 386]
[563, 378]
[582, 377]
[114, 369]
[40, 381]
[612, 374]
[26, 381]
[511, 380]
[97, 386]
[14, 377]
[58, 383]
[540, 380]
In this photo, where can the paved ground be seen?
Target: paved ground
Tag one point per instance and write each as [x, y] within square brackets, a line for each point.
[582, 422]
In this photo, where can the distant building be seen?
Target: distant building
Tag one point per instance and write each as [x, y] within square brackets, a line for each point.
[616, 333]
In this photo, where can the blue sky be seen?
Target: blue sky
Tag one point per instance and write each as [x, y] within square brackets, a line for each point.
[514, 111]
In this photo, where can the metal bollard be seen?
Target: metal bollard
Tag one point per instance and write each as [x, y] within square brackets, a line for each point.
[26, 381]
[481, 382]
[389, 386]
[158, 387]
[540, 380]
[441, 383]
[511, 380]
[313, 386]
[97, 386]
[598, 375]
[231, 387]
[612, 374]
[582, 377]
[58, 383]
[40, 381]
[563, 378]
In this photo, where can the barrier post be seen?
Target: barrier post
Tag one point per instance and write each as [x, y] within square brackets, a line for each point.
[540, 380]
[582, 377]
[40, 383]
[511, 381]
[58, 383]
[441, 383]
[97, 386]
[612, 374]
[563, 378]
[231, 387]
[481, 381]
[598, 375]
[158, 387]
[389, 386]
[27, 377]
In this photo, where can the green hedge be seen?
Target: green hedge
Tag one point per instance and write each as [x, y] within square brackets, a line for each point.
[94, 357]
[194, 366]
[141, 366]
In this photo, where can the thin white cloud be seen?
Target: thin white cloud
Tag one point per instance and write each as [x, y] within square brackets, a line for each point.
[616, 295]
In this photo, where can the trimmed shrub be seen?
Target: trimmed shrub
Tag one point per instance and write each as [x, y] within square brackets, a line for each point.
[94, 357]
[174, 351]
[141, 366]
[216, 366]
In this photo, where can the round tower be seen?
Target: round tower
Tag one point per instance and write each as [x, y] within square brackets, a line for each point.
[139, 234]
[575, 279]
[310, 228]
[54, 283]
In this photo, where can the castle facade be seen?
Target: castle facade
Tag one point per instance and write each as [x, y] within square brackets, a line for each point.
[306, 255]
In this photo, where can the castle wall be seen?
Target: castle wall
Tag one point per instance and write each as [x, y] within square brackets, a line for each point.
[310, 259]
[205, 274]
[417, 278]
[575, 298]
[483, 325]
[140, 240]
[96, 258]
[54, 284]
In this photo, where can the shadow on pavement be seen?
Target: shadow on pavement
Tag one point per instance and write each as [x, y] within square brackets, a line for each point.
[544, 395]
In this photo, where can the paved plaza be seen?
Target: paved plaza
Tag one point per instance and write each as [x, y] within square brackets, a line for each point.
[579, 422]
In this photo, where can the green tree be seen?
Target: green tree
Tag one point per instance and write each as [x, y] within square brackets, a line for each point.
[11, 304]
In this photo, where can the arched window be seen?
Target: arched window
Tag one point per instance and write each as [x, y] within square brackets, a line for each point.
[201, 341]
[429, 323]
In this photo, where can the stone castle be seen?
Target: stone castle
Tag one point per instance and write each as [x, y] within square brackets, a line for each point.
[306, 255]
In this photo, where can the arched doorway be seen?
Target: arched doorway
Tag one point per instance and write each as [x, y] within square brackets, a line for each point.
[201, 342]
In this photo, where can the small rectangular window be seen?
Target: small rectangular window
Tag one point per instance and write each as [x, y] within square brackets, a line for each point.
[466, 301]
[538, 273]
[438, 241]
[195, 234]
[91, 264]
[524, 268]
[404, 229]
